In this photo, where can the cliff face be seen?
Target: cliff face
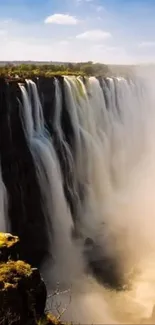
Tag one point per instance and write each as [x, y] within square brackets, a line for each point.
[22, 291]
[25, 212]
[25, 208]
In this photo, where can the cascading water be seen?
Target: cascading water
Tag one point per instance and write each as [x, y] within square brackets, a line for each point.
[93, 149]
[4, 222]
[50, 180]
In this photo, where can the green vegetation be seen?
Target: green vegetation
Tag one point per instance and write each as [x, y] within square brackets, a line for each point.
[23, 293]
[48, 70]
[11, 272]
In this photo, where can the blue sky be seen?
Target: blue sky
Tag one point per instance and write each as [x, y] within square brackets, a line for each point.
[110, 31]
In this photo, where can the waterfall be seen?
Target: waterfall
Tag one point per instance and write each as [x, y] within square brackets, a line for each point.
[50, 180]
[4, 222]
[89, 146]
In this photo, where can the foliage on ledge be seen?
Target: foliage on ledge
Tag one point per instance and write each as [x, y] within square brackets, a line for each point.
[23, 292]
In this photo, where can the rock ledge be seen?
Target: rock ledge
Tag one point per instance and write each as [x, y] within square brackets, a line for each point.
[23, 292]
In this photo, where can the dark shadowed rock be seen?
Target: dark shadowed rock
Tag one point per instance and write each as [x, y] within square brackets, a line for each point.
[23, 293]
[105, 269]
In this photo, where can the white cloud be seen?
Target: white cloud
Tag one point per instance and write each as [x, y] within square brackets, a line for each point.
[147, 44]
[3, 32]
[99, 8]
[61, 19]
[37, 41]
[94, 35]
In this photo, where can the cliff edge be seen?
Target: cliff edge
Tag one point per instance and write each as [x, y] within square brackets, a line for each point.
[23, 292]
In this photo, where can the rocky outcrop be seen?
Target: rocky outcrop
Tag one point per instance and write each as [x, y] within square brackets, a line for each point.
[22, 291]
[9, 247]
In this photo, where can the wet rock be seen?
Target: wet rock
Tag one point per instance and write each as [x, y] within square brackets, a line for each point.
[105, 269]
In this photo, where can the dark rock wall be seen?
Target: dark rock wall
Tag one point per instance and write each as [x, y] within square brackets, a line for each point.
[19, 176]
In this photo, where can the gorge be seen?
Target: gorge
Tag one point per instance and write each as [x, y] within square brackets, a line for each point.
[77, 184]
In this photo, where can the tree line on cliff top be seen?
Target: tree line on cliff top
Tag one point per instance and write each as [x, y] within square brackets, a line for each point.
[23, 70]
